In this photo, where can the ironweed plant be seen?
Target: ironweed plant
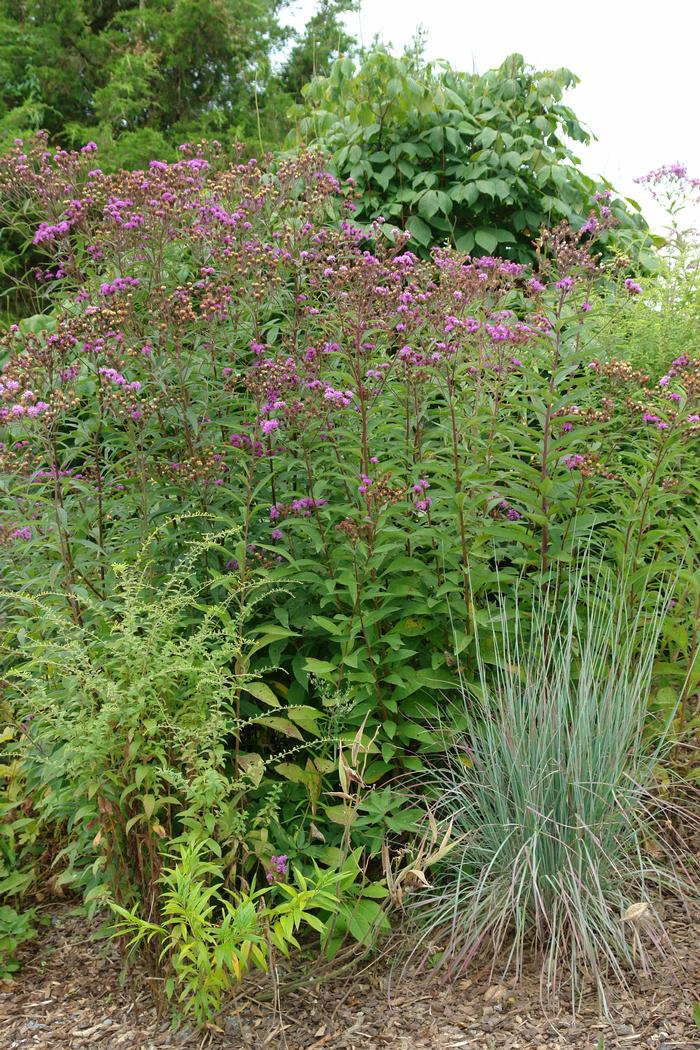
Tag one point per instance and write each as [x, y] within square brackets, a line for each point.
[219, 337]
[653, 328]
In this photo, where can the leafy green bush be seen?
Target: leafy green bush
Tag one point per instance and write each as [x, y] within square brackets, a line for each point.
[129, 67]
[19, 848]
[15, 928]
[136, 750]
[480, 162]
[550, 788]
[211, 936]
[127, 76]
[136, 726]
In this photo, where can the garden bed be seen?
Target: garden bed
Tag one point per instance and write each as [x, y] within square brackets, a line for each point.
[69, 995]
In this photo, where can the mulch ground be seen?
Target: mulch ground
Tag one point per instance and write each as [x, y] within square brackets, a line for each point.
[69, 995]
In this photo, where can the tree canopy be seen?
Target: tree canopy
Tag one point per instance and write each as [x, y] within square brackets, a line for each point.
[154, 72]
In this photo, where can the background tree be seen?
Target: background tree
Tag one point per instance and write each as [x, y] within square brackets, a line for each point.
[324, 39]
[172, 66]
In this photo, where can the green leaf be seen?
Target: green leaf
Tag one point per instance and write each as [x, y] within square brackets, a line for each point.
[465, 242]
[420, 230]
[488, 136]
[366, 917]
[282, 725]
[306, 717]
[341, 814]
[294, 773]
[486, 239]
[428, 204]
[261, 692]
[314, 666]
[464, 192]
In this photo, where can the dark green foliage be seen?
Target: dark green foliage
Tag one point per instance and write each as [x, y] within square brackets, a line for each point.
[149, 75]
[482, 162]
[171, 65]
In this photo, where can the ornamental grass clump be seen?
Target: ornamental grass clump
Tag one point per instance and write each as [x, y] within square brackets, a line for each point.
[548, 785]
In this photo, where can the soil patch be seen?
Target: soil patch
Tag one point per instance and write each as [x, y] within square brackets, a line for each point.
[69, 996]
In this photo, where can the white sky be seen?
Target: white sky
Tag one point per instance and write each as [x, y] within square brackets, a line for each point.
[638, 62]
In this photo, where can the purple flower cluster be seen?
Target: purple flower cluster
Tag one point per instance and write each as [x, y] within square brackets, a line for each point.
[48, 231]
[118, 379]
[301, 507]
[511, 512]
[675, 171]
[121, 213]
[338, 397]
[22, 533]
[574, 461]
[423, 501]
[278, 868]
[25, 404]
[119, 284]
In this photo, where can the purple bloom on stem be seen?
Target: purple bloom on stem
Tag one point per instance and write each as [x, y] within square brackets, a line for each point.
[575, 461]
[278, 868]
[37, 409]
[23, 533]
[633, 287]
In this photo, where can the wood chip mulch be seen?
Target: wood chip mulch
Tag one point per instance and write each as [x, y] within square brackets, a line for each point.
[68, 996]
